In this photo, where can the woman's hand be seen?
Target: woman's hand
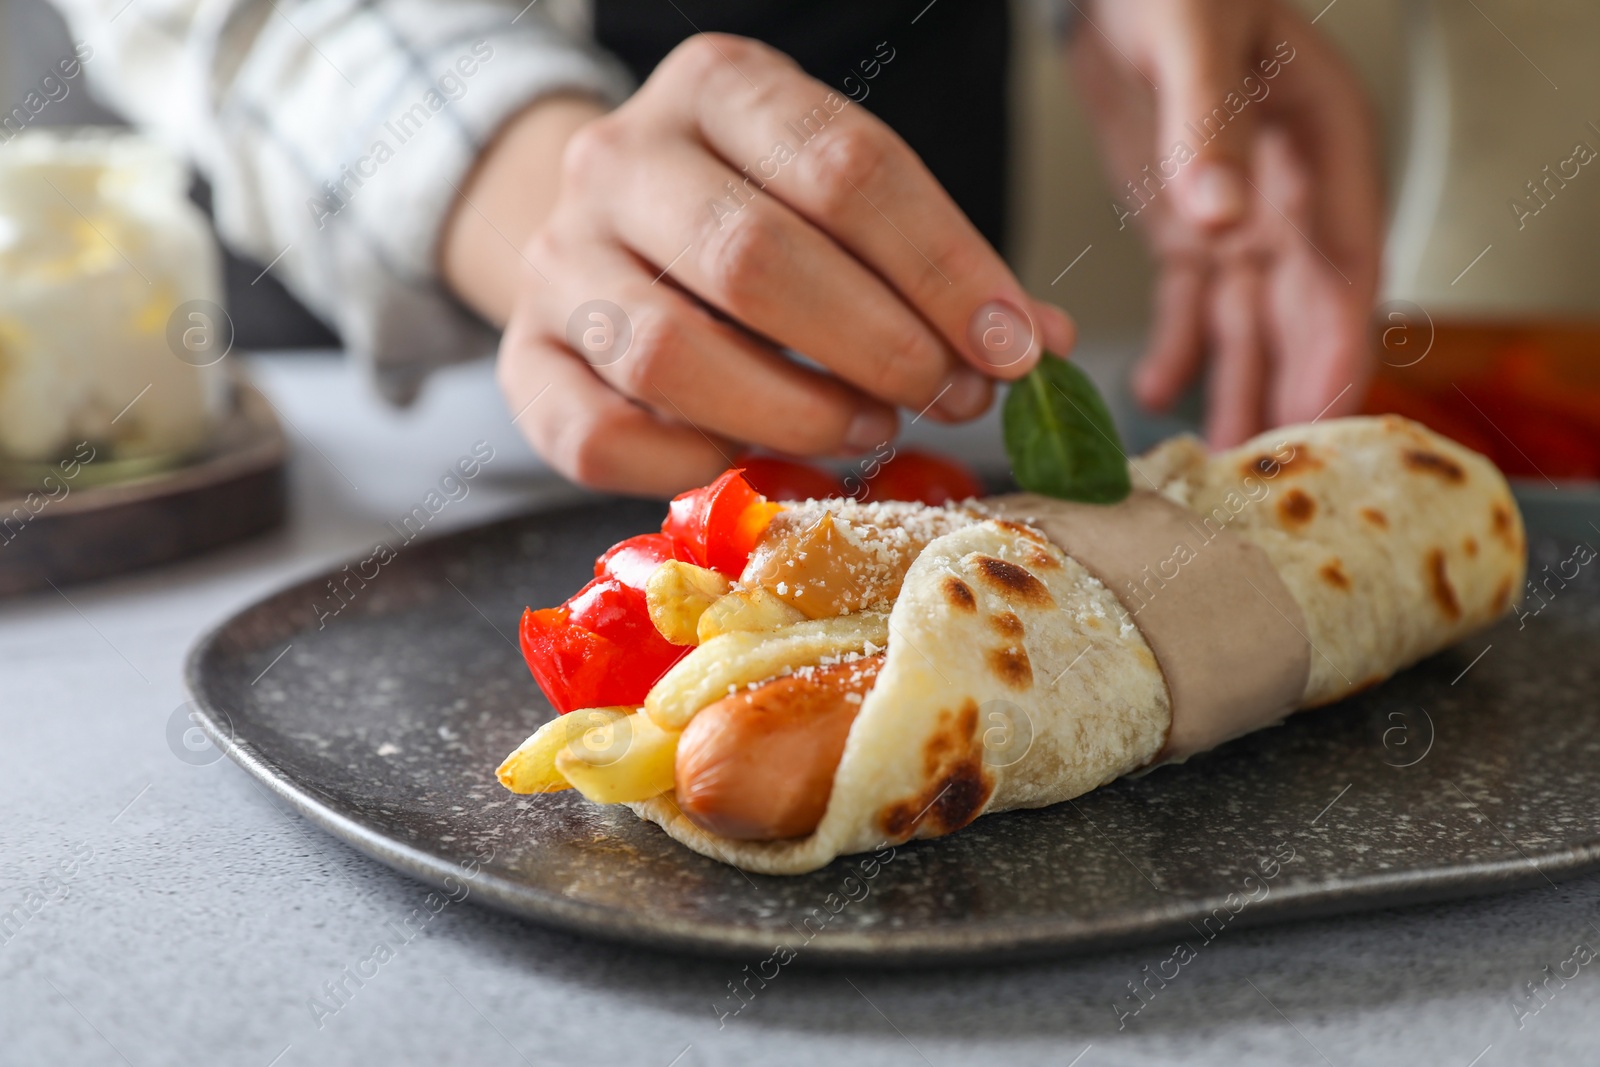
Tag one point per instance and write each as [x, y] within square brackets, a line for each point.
[733, 207]
[1261, 201]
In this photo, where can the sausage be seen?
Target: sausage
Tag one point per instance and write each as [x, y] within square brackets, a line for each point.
[759, 765]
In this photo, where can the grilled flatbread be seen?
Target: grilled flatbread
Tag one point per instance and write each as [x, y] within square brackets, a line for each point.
[1016, 677]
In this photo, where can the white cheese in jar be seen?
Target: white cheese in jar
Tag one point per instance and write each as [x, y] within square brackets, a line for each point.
[98, 248]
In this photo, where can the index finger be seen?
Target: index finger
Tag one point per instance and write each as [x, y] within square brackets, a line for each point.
[851, 176]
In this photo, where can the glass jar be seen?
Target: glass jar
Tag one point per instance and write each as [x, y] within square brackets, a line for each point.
[100, 251]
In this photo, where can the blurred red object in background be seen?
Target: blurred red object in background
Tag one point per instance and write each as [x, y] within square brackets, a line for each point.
[1526, 396]
[907, 474]
[786, 479]
[911, 474]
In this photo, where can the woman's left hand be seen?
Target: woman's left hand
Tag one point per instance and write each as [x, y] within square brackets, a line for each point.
[1243, 145]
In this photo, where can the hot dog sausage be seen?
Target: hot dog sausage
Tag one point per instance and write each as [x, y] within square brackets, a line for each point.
[759, 765]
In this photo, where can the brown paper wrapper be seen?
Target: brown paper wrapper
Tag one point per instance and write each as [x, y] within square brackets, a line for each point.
[1229, 637]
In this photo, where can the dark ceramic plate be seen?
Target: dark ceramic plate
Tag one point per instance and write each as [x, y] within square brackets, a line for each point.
[383, 723]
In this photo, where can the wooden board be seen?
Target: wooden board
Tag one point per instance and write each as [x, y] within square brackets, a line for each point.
[236, 489]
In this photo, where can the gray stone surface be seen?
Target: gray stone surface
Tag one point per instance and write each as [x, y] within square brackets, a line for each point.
[199, 918]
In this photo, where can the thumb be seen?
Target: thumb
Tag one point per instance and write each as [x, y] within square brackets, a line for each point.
[1206, 111]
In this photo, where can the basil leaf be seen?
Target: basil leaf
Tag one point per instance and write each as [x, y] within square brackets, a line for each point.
[1060, 437]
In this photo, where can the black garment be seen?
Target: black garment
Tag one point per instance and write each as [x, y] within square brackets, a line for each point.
[944, 90]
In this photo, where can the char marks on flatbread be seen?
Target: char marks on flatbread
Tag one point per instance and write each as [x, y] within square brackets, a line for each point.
[1014, 678]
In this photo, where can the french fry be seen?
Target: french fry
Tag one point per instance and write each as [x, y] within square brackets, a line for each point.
[626, 759]
[532, 767]
[738, 657]
[746, 609]
[677, 594]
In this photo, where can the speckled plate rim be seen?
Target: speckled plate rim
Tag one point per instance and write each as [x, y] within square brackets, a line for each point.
[975, 942]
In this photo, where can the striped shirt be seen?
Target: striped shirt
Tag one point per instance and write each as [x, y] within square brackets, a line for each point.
[336, 134]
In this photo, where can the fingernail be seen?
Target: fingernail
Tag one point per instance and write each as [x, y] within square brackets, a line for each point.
[1002, 335]
[869, 428]
[966, 397]
[1215, 193]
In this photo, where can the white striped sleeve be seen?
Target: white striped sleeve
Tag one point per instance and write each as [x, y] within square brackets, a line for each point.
[335, 134]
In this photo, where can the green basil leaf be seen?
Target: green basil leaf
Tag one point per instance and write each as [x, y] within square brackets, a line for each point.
[1060, 437]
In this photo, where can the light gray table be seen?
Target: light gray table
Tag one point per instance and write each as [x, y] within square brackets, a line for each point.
[199, 918]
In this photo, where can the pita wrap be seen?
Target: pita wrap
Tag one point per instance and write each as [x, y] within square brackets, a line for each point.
[1318, 560]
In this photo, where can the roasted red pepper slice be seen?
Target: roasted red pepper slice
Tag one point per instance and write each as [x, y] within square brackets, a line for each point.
[720, 524]
[607, 607]
[568, 662]
[599, 649]
[631, 562]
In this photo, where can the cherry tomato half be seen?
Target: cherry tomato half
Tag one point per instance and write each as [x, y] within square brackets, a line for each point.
[787, 479]
[917, 475]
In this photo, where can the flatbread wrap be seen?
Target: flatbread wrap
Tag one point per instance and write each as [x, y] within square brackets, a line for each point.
[881, 672]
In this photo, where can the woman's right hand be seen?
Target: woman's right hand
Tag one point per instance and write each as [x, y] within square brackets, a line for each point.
[732, 208]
